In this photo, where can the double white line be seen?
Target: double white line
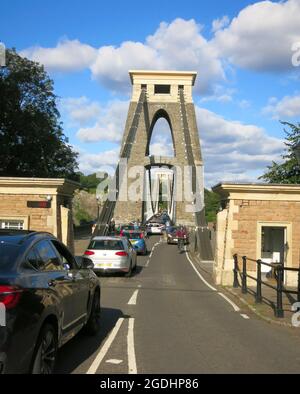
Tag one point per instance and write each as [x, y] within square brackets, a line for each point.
[132, 369]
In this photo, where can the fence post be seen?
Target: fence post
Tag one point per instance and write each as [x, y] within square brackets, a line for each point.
[235, 272]
[279, 308]
[244, 276]
[258, 299]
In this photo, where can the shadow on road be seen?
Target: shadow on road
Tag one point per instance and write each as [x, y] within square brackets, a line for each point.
[82, 347]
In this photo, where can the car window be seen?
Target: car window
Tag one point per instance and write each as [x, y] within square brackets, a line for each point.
[66, 257]
[34, 259]
[106, 245]
[50, 259]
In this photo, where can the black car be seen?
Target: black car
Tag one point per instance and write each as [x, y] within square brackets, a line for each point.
[49, 296]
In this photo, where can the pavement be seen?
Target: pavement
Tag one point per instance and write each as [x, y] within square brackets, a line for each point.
[170, 318]
[265, 310]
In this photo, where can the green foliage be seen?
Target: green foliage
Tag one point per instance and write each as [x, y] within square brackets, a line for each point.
[89, 182]
[32, 142]
[212, 203]
[289, 171]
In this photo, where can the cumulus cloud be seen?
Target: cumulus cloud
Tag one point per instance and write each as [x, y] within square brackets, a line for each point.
[109, 125]
[67, 56]
[103, 161]
[219, 24]
[175, 46]
[178, 45]
[233, 150]
[261, 37]
[80, 110]
[288, 107]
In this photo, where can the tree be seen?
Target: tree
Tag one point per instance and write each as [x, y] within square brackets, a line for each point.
[212, 204]
[289, 171]
[32, 142]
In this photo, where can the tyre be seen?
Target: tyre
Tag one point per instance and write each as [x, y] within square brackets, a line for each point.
[93, 324]
[45, 353]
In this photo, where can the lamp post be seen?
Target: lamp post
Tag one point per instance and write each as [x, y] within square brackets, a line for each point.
[98, 208]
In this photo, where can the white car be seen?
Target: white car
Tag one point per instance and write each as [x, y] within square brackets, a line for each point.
[155, 228]
[112, 254]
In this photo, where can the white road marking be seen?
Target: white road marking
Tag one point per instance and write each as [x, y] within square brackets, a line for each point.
[246, 317]
[114, 362]
[103, 351]
[132, 369]
[147, 264]
[133, 299]
[139, 286]
[234, 306]
[198, 273]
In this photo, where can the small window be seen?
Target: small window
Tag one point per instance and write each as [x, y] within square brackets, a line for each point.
[106, 245]
[144, 86]
[8, 224]
[50, 259]
[162, 89]
[34, 260]
[66, 256]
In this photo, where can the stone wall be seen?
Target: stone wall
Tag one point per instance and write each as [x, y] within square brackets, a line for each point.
[247, 208]
[39, 219]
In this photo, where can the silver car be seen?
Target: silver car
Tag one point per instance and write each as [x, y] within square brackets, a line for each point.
[112, 254]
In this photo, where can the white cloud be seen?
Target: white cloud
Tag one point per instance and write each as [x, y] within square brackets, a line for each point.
[233, 150]
[261, 36]
[67, 56]
[219, 24]
[175, 46]
[81, 110]
[103, 161]
[109, 125]
[288, 107]
[178, 45]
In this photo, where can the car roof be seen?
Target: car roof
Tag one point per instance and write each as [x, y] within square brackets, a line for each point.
[98, 238]
[19, 237]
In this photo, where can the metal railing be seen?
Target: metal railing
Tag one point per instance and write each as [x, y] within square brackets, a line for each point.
[279, 271]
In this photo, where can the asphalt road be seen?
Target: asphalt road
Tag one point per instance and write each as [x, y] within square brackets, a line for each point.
[167, 319]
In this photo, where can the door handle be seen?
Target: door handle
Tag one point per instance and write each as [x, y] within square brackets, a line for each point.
[52, 283]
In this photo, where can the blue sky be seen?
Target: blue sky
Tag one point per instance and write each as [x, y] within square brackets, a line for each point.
[241, 49]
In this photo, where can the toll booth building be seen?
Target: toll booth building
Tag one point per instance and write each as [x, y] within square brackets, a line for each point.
[39, 205]
[261, 222]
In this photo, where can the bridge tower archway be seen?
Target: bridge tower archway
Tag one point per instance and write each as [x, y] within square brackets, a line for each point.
[167, 95]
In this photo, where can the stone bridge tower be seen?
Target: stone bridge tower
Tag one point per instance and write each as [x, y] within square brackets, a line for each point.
[162, 94]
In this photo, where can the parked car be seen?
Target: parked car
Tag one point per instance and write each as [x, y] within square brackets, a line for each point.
[155, 228]
[112, 254]
[49, 296]
[172, 236]
[137, 240]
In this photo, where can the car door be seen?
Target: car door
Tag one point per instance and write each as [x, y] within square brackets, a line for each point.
[132, 253]
[81, 281]
[60, 285]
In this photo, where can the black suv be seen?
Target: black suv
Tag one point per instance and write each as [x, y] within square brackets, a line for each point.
[46, 297]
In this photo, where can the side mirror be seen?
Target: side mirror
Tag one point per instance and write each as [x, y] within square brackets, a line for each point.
[87, 263]
[84, 262]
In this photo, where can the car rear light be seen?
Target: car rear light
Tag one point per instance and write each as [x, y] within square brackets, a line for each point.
[89, 253]
[142, 236]
[122, 254]
[10, 296]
